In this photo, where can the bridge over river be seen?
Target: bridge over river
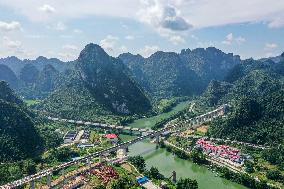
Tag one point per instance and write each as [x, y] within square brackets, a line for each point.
[122, 146]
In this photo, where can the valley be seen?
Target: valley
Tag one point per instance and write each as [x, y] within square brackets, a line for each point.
[108, 122]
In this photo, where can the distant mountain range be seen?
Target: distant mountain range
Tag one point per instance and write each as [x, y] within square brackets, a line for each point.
[97, 83]
[17, 65]
[167, 74]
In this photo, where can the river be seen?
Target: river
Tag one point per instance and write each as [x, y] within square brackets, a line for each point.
[149, 122]
[166, 162]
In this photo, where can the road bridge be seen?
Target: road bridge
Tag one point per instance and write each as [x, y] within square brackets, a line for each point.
[100, 125]
[153, 134]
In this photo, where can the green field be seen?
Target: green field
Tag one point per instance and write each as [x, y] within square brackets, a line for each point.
[31, 102]
[151, 121]
[125, 138]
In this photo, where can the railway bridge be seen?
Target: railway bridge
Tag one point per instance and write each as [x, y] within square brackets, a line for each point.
[31, 179]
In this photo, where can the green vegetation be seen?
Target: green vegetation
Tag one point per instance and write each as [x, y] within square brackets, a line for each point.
[163, 75]
[23, 137]
[138, 162]
[275, 156]
[187, 184]
[6, 74]
[19, 138]
[29, 74]
[256, 95]
[99, 86]
[243, 179]
[150, 122]
[32, 102]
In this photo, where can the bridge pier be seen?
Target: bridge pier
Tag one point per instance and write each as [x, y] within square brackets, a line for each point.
[89, 163]
[157, 139]
[32, 184]
[101, 158]
[49, 180]
[174, 177]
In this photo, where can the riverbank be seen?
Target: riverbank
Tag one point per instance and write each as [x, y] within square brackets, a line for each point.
[150, 122]
[226, 170]
[166, 162]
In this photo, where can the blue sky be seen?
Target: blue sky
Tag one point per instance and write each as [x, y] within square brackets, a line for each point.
[61, 28]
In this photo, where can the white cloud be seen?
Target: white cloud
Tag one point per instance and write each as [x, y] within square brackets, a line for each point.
[276, 23]
[78, 31]
[230, 39]
[149, 50]
[6, 26]
[202, 44]
[240, 40]
[35, 36]
[271, 46]
[123, 49]
[66, 36]
[194, 37]
[67, 56]
[129, 37]
[70, 47]
[162, 16]
[11, 44]
[109, 43]
[59, 26]
[47, 9]
[269, 49]
[176, 39]
[173, 14]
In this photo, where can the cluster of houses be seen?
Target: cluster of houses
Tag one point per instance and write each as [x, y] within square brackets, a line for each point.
[81, 138]
[220, 151]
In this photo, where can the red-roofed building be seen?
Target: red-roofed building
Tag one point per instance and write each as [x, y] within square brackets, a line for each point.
[113, 138]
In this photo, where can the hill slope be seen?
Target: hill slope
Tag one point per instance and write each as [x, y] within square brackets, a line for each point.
[167, 74]
[163, 74]
[6, 74]
[99, 84]
[210, 63]
[18, 136]
[256, 93]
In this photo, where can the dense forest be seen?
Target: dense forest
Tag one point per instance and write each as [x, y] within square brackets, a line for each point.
[100, 85]
[168, 74]
[19, 138]
[255, 92]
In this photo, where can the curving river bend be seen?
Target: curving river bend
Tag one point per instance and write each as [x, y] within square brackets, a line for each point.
[166, 162]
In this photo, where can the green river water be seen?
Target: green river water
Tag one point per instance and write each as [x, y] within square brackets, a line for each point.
[151, 121]
[167, 162]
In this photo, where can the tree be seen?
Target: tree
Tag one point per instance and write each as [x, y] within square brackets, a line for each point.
[197, 156]
[29, 167]
[138, 162]
[122, 183]
[274, 175]
[187, 184]
[249, 166]
[99, 187]
[154, 173]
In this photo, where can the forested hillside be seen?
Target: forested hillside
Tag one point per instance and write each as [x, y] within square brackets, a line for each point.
[6, 74]
[256, 92]
[167, 74]
[99, 85]
[210, 63]
[37, 84]
[18, 137]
